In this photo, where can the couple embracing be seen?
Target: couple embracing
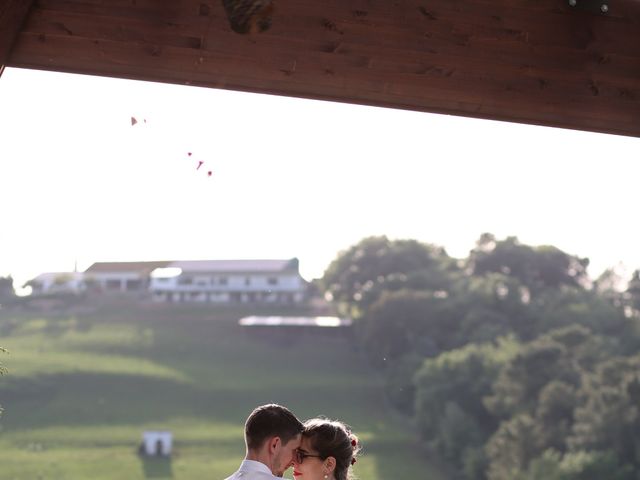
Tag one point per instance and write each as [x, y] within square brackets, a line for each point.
[318, 449]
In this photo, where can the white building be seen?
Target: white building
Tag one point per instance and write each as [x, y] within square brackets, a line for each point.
[205, 281]
[229, 281]
[157, 443]
[120, 277]
[57, 282]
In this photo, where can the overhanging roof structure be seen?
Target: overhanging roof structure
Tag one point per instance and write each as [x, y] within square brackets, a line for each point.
[540, 62]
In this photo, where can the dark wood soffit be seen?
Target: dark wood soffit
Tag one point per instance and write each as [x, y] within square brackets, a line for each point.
[530, 61]
[12, 16]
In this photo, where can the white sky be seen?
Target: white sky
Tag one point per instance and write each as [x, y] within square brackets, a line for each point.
[290, 177]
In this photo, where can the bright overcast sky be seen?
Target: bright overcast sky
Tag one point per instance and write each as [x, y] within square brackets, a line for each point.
[289, 178]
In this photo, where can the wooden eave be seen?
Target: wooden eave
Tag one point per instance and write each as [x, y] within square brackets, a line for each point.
[13, 14]
[531, 61]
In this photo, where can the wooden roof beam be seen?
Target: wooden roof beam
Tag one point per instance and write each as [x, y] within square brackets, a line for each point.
[540, 62]
[13, 14]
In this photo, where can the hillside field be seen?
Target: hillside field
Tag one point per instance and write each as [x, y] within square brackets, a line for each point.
[82, 387]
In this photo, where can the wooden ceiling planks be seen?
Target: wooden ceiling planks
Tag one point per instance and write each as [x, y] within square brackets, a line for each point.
[12, 16]
[532, 61]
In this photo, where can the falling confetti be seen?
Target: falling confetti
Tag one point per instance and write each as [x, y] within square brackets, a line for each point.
[135, 121]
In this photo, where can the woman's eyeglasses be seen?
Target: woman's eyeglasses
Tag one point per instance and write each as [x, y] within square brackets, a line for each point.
[300, 455]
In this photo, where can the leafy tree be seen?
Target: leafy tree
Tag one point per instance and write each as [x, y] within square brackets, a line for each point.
[512, 448]
[561, 355]
[550, 388]
[584, 348]
[406, 321]
[438, 281]
[374, 260]
[3, 370]
[633, 291]
[581, 465]
[6, 288]
[400, 386]
[578, 466]
[594, 465]
[610, 417]
[521, 380]
[474, 463]
[554, 415]
[449, 413]
[610, 286]
[535, 267]
[556, 308]
[512, 365]
[458, 432]
[545, 467]
[490, 306]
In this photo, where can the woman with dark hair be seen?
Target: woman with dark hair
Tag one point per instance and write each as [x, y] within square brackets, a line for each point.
[327, 450]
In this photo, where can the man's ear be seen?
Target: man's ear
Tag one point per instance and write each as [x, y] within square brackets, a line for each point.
[274, 444]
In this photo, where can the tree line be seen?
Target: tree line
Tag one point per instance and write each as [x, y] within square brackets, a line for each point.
[512, 363]
[6, 293]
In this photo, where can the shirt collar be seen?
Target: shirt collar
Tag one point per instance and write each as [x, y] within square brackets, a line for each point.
[253, 466]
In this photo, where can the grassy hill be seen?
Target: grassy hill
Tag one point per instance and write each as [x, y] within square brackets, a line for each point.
[83, 387]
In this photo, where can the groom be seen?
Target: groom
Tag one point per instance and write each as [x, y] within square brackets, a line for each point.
[271, 434]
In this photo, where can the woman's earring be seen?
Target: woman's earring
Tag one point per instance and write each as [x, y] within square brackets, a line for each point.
[326, 476]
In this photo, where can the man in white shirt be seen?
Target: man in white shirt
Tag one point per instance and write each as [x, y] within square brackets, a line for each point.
[271, 434]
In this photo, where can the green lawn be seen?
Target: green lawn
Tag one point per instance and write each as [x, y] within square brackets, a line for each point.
[82, 388]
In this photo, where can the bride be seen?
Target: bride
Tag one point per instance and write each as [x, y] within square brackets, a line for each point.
[327, 451]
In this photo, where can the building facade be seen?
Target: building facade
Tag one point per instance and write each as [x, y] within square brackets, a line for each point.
[120, 277]
[229, 281]
[194, 281]
[57, 282]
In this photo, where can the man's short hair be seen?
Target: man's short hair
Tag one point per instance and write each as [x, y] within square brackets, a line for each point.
[269, 421]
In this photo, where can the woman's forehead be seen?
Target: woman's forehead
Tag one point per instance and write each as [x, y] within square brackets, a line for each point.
[305, 444]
